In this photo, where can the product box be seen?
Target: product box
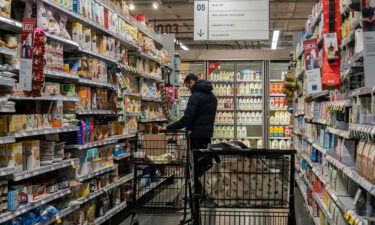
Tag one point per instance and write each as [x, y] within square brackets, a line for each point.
[106, 18]
[35, 191]
[57, 114]
[31, 155]
[87, 38]
[94, 42]
[13, 157]
[3, 125]
[102, 45]
[16, 123]
[94, 69]
[84, 98]
[102, 76]
[84, 66]
[77, 33]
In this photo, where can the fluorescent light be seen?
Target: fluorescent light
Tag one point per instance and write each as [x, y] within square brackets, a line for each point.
[155, 5]
[184, 47]
[131, 5]
[275, 39]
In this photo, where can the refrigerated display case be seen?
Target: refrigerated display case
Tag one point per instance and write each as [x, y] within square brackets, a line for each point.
[250, 101]
[279, 124]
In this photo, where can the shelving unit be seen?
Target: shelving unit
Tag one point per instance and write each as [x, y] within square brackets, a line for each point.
[330, 125]
[85, 104]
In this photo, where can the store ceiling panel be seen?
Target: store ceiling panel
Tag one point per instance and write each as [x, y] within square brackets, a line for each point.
[176, 16]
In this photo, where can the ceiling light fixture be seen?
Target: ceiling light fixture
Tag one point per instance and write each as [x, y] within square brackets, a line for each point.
[184, 47]
[155, 4]
[131, 5]
[275, 39]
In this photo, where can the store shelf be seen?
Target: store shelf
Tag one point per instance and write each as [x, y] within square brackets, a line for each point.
[153, 120]
[7, 51]
[279, 124]
[281, 138]
[151, 77]
[340, 103]
[45, 98]
[250, 138]
[278, 109]
[32, 205]
[105, 189]
[6, 171]
[96, 112]
[109, 214]
[362, 91]
[314, 120]
[132, 114]
[7, 140]
[60, 215]
[30, 133]
[96, 173]
[44, 169]
[316, 20]
[10, 24]
[338, 132]
[224, 124]
[132, 94]
[150, 99]
[7, 82]
[68, 44]
[149, 57]
[276, 81]
[249, 109]
[96, 83]
[123, 136]
[322, 207]
[92, 144]
[250, 95]
[352, 174]
[87, 22]
[222, 81]
[355, 58]
[123, 156]
[60, 75]
[277, 95]
[228, 110]
[249, 81]
[99, 56]
[250, 124]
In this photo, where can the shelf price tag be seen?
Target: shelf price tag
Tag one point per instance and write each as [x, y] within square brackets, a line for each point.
[73, 164]
[58, 219]
[347, 215]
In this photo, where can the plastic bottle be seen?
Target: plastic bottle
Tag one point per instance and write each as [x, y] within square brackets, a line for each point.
[275, 144]
[281, 130]
[282, 144]
[277, 117]
[251, 89]
[259, 144]
[244, 131]
[271, 131]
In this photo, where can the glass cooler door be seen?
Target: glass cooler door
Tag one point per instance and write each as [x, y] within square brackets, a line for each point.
[249, 103]
[221, 74]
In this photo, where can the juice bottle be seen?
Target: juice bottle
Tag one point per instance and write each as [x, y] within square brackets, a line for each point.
[252, 89]
[271, 131]
[282, 144]
[259, 144]
[272, 103]
[281, 131]
[275, 144]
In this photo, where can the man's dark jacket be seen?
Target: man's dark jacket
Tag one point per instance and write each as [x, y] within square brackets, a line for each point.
[199, 116]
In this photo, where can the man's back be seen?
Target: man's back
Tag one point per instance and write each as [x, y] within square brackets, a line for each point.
[204, 118]
[199, 116]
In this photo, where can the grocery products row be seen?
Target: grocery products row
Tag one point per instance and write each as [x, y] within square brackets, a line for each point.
[333, 115]
[96, 76]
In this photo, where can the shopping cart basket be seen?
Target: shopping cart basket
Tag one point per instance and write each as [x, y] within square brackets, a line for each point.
[246, 187]
[160, 172]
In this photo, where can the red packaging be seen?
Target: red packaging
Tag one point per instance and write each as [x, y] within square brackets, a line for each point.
[106, 18]
[287, 132]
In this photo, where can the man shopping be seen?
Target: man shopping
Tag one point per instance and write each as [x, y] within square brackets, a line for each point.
[199, 116]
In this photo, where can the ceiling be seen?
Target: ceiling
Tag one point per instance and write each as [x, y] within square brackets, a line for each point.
[288, 16]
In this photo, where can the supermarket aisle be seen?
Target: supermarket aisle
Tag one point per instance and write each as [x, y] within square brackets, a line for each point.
[302, 216]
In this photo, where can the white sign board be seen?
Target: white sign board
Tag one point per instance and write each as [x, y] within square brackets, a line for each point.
[231, 20]
[26, 74]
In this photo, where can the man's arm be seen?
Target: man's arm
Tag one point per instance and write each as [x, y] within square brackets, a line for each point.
[187, 119]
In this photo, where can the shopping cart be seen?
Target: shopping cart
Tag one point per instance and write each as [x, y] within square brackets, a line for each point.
[160, 173]
[246, 187]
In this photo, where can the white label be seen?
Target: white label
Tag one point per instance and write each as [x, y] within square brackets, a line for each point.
[369, 57]
[231, 20]
[314, 81]
[26, 72]
[200, 20]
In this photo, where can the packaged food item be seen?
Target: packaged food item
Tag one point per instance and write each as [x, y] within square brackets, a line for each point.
[87, 38]
[31, 154]
[77, 33]
[5, 6]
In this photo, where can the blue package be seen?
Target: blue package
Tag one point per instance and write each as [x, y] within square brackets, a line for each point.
[304, 164]
[76, 6]
[13, 197]
[48, 213]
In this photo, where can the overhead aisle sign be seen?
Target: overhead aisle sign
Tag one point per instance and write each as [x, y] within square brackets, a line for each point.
[231, 20]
